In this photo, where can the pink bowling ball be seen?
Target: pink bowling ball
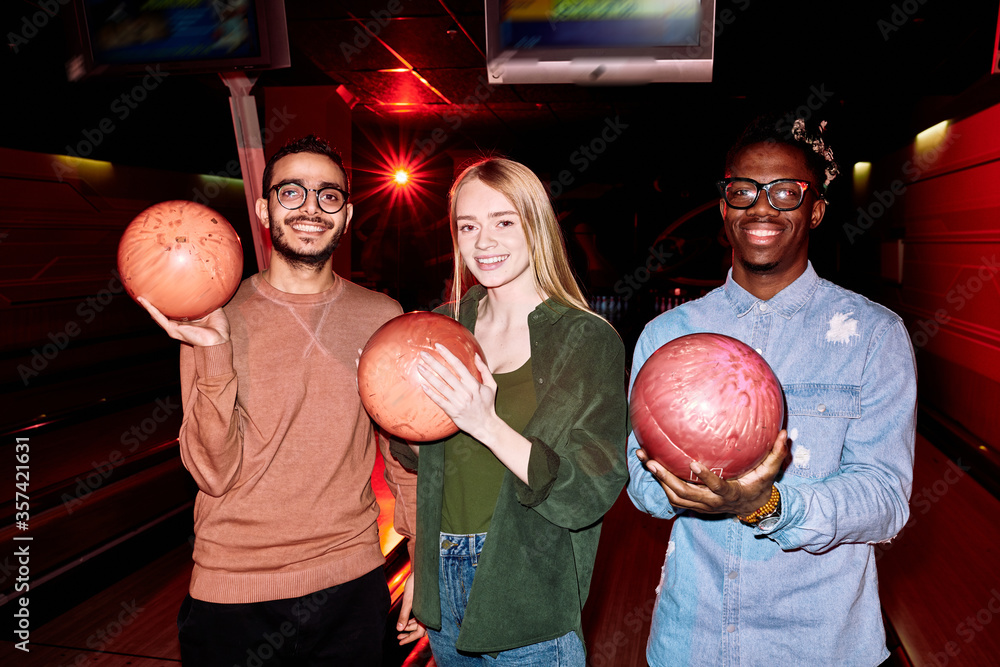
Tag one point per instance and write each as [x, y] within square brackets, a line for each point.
[709, 398]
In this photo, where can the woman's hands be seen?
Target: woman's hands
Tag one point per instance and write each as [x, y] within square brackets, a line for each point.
[471, 404]
[409, 629]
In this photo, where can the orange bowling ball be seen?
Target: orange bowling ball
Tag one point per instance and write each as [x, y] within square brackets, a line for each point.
[183, 257]
[390, 384]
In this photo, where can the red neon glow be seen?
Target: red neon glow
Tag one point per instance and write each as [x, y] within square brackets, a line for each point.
[400, 173]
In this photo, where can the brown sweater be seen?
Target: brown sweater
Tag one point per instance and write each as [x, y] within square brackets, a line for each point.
[282, 450]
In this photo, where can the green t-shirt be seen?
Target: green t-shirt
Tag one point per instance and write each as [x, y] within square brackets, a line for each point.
[472, 474]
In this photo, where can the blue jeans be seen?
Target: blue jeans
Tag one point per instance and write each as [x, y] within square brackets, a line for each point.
[459, 558]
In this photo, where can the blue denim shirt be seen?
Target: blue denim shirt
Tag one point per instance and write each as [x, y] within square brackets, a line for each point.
[806, 591]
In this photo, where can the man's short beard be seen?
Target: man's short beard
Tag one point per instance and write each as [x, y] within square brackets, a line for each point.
[759, 269]
[302, 260]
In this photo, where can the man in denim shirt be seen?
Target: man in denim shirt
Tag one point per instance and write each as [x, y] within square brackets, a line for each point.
[777, 566]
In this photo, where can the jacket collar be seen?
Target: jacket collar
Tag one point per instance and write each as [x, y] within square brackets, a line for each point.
[786, 303]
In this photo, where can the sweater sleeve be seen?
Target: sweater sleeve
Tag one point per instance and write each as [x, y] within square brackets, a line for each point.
[211, 435]
[403, 453]
[403, 484]
[400, 473]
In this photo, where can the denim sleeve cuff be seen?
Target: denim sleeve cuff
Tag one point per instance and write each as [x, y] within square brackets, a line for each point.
[543, 467]
[648, 496]
[645, 492]
[791, 513]
[214, 360]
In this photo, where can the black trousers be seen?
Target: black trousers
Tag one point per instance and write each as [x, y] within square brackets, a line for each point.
[340, 625]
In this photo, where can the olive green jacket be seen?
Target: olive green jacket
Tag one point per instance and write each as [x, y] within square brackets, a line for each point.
[534, 573]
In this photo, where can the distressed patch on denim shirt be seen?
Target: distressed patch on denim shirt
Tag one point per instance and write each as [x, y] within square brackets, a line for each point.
[842, 328]
[801, 456]
[671, 547]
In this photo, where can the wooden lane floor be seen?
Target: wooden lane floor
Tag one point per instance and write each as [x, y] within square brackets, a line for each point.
[940, 578]
[132, 622]
[619, 608]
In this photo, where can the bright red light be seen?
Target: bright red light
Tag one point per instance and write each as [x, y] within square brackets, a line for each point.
[399, 170]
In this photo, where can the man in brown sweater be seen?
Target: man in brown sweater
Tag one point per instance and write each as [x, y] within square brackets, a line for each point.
[287, 557]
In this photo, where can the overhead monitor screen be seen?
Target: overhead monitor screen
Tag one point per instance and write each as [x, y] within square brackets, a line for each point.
[599, 41]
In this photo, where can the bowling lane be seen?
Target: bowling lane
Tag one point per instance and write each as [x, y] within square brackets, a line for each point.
[620, 607]
[96, 448]
[98, 376]
[939, 580]
[133, 620]
[939, 586]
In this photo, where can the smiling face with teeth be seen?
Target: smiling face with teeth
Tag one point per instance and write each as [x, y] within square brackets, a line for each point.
[491, 238]
[770, 247]
[307, 236]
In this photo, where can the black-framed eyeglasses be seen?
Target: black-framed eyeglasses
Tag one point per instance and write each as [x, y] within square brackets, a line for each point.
[292, 196]
[783, 194]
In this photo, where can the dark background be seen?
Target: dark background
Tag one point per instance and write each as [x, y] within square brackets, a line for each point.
[878, 72]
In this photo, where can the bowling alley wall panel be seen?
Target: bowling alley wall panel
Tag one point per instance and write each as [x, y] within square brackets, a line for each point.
[88, 379]
[59, 230]
[945, 226]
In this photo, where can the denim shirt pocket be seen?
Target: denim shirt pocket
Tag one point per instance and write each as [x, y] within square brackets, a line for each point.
[818, 418]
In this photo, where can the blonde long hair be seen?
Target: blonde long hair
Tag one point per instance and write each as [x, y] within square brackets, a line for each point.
[552, 273]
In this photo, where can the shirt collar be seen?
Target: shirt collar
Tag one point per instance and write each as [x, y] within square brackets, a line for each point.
[549, 310]
[786, 303]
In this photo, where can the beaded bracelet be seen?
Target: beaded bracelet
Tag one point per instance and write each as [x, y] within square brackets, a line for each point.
[769, 506]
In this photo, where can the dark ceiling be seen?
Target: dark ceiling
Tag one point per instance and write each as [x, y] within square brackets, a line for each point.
[878, 71]
[875, 71]
[851, 58]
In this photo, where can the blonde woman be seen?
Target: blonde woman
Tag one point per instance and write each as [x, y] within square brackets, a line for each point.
[510, 508]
